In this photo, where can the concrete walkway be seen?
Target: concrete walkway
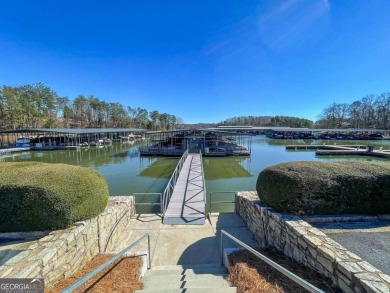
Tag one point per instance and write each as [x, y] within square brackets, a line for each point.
[183, 244]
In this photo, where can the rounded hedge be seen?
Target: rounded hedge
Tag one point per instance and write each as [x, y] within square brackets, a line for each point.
[37, 196]
[326, 187]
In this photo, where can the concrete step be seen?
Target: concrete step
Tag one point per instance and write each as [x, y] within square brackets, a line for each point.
[187, 272]
[204, 282]
[190, 290]
[187, 220]
[193, 266]
[187, 278]
[176, 278]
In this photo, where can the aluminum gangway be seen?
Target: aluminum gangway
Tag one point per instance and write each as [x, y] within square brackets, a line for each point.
[186, 203]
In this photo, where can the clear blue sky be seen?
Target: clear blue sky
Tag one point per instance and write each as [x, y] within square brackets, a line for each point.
[204, 61]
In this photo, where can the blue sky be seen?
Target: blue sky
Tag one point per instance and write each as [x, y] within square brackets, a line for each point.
[204, 61]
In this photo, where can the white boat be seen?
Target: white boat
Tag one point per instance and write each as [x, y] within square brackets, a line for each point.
[96, 143]
[107, 141]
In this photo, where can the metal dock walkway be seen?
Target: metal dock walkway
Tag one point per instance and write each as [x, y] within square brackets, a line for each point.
[188, 200]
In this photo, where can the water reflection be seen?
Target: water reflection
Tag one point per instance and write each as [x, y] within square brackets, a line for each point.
[214, 168]
[224, 168]
[160, 168]
[119, 163]
[88, 157]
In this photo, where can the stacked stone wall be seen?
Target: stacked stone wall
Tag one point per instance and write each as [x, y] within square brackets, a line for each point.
[62, 252]
[307, 245]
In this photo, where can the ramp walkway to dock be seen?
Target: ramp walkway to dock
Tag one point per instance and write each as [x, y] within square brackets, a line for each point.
[188, 199]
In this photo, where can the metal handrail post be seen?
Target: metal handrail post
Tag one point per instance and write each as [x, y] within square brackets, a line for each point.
[149, 256]
[204, 181]
[222, 247]
[165, 201]
[161, 204]
[235, 202]
[211, 194]
[303, 283]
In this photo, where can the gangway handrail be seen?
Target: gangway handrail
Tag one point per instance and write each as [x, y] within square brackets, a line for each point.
[167, 193]
[303, 283]
[107, 263]
[204, 181]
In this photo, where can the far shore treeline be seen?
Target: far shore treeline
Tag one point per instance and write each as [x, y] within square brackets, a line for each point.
[368, 112]
[38, 106]
[274, 121]
[372, 111]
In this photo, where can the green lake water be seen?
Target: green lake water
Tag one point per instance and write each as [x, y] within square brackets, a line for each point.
[127, 173]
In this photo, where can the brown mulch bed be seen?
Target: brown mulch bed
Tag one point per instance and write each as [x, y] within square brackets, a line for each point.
[252, 275]
[121, 276]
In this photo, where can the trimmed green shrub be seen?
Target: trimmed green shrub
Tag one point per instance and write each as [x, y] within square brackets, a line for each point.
[326, 187]
[36, 196]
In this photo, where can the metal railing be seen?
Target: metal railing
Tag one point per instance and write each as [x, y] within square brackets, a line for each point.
[204, 182]
[166, 196]
[148, 203]
[224, 201]
[273, 264]
[107, 263]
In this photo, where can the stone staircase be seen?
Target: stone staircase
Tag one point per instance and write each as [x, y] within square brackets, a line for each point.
[187, 279]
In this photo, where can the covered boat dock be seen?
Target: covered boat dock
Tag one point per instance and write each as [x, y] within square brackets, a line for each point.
[310, 133]
[62, 138]
[205, 141]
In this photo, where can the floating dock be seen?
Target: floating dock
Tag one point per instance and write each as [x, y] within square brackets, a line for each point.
[342, 150]
[188, 201]
[9, 151]
[227, 153]
[382, 154]
[322, 146]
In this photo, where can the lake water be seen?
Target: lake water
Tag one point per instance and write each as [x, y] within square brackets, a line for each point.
[127, 173]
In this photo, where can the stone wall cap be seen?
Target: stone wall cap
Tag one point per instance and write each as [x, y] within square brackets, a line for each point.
[341, 218]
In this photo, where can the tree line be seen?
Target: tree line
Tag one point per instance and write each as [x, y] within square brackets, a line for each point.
[38, 106]
[272, 121]
[372, 111]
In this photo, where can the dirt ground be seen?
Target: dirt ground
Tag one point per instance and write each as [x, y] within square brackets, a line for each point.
[251, 275]
[121, 276]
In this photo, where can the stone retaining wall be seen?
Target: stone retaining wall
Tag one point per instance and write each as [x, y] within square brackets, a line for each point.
[302, 242]
[62, 252]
